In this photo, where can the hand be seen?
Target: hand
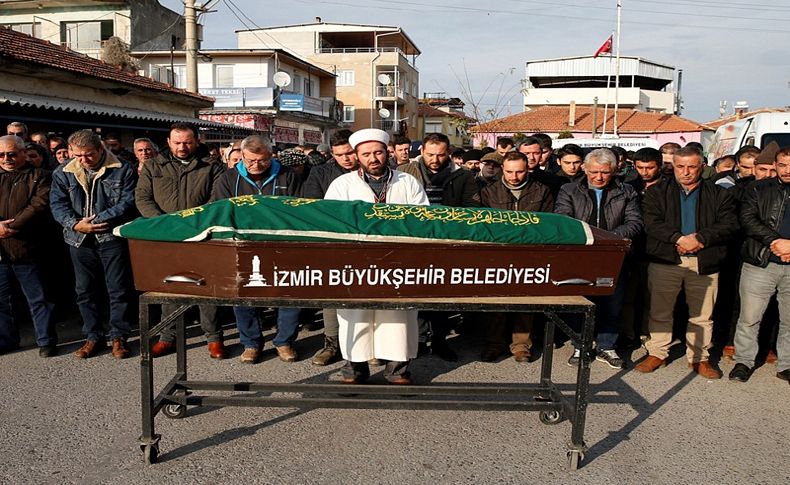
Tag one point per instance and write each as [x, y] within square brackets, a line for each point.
[6, 231]
[87, 227]
[688, 244]
[781, 247]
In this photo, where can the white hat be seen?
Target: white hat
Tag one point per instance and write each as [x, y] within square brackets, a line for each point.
[368, 134]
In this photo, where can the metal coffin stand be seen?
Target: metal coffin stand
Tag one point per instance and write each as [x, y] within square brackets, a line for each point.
[545, 397]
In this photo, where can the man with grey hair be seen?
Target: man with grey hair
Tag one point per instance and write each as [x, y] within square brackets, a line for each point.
[182, 176]
[144, 149]
[688, 223]
[23, 208]
[259, 174]
[91, 195]
[17, 128]
[601, 200]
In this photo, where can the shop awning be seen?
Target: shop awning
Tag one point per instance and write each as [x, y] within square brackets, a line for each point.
[69, 105]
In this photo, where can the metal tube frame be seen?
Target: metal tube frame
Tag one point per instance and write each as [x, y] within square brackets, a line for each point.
[544, 397]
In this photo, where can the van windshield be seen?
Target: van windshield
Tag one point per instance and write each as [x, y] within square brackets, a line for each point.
[782, 139]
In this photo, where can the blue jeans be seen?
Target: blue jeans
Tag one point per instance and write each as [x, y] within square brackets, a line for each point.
[104, 263]
[40, 309]
[757, 287]
[607, 314]
[250, 328]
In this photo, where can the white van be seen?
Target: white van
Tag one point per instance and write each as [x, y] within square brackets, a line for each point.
[758, 130]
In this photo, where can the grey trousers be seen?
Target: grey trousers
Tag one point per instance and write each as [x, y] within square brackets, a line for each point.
[757, 287]
[330, 322]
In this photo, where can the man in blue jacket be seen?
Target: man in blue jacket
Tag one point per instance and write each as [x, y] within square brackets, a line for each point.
[90, 195]
[259, 174]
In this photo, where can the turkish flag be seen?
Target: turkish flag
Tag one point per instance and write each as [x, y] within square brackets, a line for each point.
[606, 48]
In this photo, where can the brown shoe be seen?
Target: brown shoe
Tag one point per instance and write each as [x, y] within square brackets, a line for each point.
[400, 381]
[706, 370]
[250, 355]
[650, 364]
[216, 350]
[771, 357]
[162, 348]
[119, 350]
[286, 353]
[521, 356]
[728, 351]
[90, 348]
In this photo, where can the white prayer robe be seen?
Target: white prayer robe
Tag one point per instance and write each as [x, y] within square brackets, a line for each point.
[379, 334]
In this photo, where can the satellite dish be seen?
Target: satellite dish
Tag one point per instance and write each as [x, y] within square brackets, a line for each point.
[384, 113]
[384, 79]
[281, 79]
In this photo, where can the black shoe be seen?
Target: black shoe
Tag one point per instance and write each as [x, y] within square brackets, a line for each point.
[611, 358]
[490, 355]
[48, 351]
[443, 351]
[423, 349]
[740, 373]
[784, 375]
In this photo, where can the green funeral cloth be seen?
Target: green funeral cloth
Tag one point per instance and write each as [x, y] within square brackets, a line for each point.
[269, 218]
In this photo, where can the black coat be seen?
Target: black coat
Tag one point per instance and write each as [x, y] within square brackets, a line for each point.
[460, 189]
[320, 177]
[762, 210]
[535, 197]
[620, 207]
[717, 223]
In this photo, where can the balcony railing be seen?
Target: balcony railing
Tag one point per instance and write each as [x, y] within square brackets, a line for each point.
[386, 125]
[88, 48]
[389, 92]
[358, 50]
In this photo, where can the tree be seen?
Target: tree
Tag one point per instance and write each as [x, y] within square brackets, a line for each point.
[116, 53]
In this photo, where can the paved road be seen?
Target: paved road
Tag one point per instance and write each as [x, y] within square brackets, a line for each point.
[70, 421]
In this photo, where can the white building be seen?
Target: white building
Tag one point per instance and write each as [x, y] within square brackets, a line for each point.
[84, 25]
[242, 81]
[644, 85]
[375, 66]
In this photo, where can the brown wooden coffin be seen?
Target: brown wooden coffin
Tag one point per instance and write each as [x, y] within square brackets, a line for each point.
[232, 269]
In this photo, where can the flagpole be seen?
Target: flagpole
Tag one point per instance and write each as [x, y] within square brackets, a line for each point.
[617, 68]
[606, 99]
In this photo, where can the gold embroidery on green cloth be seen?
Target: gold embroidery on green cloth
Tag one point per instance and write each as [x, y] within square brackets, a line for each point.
[299, 202]
[190, 212]
[452, 214]
[243, 200]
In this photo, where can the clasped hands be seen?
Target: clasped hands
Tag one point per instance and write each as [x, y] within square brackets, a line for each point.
[688, 244]
[781, 248]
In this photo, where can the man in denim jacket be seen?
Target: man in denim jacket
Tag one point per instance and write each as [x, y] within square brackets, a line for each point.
[90, 195]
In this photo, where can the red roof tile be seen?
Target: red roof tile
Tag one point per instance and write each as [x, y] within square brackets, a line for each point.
[22, 47]
[554, 119]
[431, 112]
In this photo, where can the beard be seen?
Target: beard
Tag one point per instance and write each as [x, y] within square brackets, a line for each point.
[375, 169]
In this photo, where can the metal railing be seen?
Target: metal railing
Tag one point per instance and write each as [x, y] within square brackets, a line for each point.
[389, 91]
[358, 50]
[386, 125]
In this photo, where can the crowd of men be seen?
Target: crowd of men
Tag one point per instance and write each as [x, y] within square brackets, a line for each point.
[709, 242]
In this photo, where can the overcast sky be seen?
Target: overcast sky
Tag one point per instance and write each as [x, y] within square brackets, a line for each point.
[728, 50]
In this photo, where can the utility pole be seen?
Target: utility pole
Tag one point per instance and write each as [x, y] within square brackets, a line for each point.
[190, 18]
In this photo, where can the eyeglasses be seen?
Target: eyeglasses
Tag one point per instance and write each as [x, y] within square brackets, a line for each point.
[5, 155]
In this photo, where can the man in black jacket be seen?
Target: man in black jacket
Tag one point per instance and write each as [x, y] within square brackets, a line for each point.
[445, 185]
[344, 160]
[515, 190]
[688, 223]
[766, 267]
[603, 201]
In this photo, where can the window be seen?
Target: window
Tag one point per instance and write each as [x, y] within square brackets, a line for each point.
[176, 78]
[223, 76]
[85, 35]
[298, 86]
[345, 78]
[433, 127]
[32, 29]
[348, 114]
[308, 87]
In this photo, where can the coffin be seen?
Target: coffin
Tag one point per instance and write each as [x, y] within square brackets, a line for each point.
[336, 266]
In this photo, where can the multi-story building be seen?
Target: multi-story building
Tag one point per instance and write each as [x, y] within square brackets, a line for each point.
[375, 66]
[84, 25]
[644, 85]
[244, 83]
[440, 114]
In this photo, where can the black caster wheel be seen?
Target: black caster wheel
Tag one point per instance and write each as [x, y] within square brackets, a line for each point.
[575, 457]
[150, 453]
[550, 417]
[174, 411]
